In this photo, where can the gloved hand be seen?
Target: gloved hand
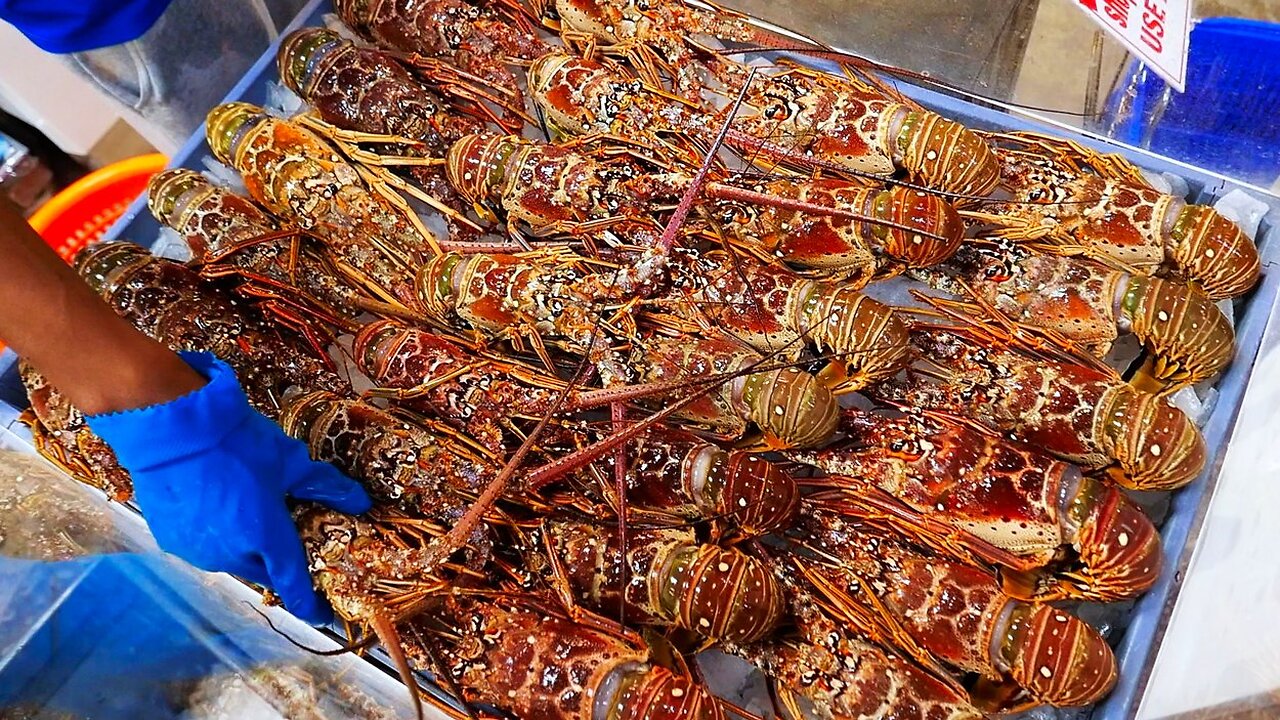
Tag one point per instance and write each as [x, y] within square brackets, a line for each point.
[211, 475]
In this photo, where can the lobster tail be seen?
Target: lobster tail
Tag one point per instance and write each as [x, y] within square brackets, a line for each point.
[301, 54]
[436, 284]
[751, 492]
[375, 344]
[648, 692]
[475, 164]
[944, 154]
[226, 125]
[791, 407]
[103, 265]
[870, 341]
[1215, 253]
[1190, 338]
[1156, 446]
[923, 212]
[1058, 658]
[721, 593]
[1119, 546]
[354, 13]
[166, 190]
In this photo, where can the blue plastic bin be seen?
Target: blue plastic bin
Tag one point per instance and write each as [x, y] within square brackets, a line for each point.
[1228, 120]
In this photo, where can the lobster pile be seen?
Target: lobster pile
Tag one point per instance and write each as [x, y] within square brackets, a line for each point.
[633, 399]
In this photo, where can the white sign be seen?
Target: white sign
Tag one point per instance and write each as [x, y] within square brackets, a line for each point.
[1157, 31]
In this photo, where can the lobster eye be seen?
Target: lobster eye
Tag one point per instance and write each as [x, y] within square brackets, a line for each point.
[908, 450]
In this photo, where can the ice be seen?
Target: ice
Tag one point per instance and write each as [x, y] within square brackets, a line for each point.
[736, 680]
[1178, 186]
[431, 218]
[222, 697]
[1159, 181]
[1051, 713]
[1123, 352]
[856, 400]
[334, 23]
[1188, 402]
[1228, 309]
[171, 245]
[1242, 209]
[897, 292]
[1154, 504]
[222, 175]
[283, 102]
[338, 351]
[1209, 400]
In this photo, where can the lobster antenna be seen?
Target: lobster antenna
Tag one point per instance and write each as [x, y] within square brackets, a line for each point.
[440, 674]
[780, 152]
[666, 241]
[827, 52]
[362, 644]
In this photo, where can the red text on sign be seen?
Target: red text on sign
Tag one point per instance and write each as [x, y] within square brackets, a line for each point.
[1118, 11]
[1153, 16]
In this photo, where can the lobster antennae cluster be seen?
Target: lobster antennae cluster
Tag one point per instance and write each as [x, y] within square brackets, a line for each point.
[874, 504]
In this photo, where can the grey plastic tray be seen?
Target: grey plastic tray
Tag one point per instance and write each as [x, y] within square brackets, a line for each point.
[1138, 638]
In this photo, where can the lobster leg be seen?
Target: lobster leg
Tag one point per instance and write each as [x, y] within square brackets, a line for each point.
[869, 616]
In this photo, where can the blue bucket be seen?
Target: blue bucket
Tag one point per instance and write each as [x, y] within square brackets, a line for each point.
[1228, 120]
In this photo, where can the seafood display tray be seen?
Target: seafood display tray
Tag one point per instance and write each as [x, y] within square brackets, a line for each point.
[1137, 637]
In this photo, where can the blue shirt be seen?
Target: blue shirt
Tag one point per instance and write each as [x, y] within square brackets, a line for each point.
[65, 26]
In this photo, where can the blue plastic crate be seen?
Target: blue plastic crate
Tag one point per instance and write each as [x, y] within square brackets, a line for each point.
[1137, 641]
[1228, 120]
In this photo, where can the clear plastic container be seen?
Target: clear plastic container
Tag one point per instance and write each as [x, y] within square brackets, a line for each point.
[96, 623]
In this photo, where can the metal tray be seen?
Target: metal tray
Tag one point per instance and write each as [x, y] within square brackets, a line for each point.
[1138, 640]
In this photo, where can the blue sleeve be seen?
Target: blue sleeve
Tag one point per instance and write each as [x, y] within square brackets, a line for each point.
[66, 26]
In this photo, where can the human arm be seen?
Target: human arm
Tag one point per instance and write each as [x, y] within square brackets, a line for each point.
[94, 357]
[210, 473]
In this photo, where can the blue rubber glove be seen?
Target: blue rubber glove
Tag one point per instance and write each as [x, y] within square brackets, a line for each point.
[65, 26]
[211, 475]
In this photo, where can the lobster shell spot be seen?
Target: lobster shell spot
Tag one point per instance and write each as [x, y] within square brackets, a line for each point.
[1059, 658]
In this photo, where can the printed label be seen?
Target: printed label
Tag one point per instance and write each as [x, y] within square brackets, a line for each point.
[1157, 31]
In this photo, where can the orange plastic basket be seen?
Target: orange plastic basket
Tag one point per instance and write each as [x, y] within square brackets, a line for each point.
[81, 213]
